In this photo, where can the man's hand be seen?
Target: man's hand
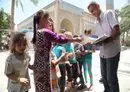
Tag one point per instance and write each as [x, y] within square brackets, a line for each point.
[109, 39]
[114, 35]
[78, 39]
[71, 55]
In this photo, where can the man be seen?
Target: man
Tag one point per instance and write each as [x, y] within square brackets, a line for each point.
[110, 48]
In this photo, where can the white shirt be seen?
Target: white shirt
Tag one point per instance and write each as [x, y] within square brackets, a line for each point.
[107, 22]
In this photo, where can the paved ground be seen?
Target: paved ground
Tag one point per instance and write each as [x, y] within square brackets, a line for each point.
[123, 72]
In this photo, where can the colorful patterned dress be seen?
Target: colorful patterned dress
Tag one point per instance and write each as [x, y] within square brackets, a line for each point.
[44, 39]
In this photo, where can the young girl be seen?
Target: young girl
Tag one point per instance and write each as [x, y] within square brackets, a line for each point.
[87, 60]
[58, 49]
[72, 71]
[42, 39]
[16, 66]
[55, 71]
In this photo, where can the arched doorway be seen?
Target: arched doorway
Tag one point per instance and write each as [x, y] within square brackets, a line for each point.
[66, 25]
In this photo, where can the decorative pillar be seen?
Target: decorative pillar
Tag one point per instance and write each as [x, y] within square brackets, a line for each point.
[128, 1]
[109, 4]
[56, 15]
[81, 25]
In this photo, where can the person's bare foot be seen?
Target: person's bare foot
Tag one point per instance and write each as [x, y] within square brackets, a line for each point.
[90, 87]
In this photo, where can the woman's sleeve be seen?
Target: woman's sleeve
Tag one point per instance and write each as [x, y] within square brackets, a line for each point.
[57, 38]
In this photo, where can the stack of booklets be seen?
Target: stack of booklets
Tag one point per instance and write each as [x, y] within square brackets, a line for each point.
[92, 40]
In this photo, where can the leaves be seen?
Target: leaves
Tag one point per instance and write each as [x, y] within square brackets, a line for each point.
[35, 2]
[124, 13]
[4, 22]
[17, 2]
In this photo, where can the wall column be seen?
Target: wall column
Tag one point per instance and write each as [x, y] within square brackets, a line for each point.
[56, 16]
[109, 4]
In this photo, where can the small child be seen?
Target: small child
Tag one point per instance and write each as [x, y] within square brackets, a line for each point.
[72, 71]
[59, 50]
[16, 65]
[88, 49]
[55, 71]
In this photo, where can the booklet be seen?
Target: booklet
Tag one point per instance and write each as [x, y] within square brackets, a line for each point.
[101, 39]
[94, 40]
[87, 39]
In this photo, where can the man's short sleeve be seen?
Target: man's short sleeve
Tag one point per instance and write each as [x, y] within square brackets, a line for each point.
[112, 18]
[8, 66]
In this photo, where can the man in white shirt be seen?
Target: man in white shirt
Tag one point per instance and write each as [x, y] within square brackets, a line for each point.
[110, 48]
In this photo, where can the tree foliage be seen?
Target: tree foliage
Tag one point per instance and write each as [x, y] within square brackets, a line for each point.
[4, 22]
[17, 3]
[124, 13]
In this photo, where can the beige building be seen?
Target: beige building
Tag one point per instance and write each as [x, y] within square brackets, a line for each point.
[66, 16]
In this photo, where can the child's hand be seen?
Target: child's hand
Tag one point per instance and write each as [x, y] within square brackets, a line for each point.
[79, 39]
[67, 62]
[66, 57]
[71, 55]
[23, 81]
[78, 51]
[63, 57]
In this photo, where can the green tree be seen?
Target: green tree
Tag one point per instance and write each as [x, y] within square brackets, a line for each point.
[124, 14]
[4, 22]
[17, 2]
[125, 18]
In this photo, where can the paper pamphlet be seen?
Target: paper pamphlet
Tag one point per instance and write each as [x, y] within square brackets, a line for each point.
[87, 39]
[101, 39]
[95, 40]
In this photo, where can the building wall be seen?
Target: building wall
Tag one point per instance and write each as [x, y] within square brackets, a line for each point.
[79, 20]
[26, 24]
[74, 19]
[71, 8]
[89, 22]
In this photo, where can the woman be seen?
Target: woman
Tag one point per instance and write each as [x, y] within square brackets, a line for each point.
[42, 40]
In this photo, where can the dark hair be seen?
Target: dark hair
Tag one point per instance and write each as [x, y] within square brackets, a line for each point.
[52, 24]
[17, 38]
[75, 36]
[40, 14]
[93, 3]
[88, 31]
[85, 31]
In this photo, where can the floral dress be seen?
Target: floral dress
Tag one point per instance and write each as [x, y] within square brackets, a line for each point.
[44, 39]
